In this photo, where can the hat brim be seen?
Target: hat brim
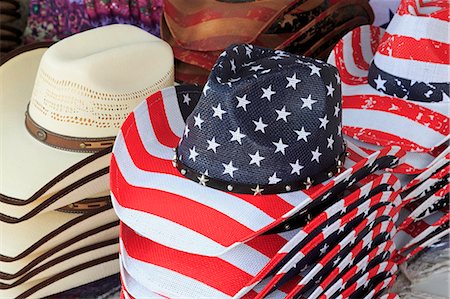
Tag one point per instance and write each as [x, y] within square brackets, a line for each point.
[36, 262]
[184, 215]
[44, 232]
[68, 261]
[369, 115]
[95, 267]
[46, 170]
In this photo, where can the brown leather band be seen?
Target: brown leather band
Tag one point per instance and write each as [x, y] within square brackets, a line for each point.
[86, 205]
[73, 144]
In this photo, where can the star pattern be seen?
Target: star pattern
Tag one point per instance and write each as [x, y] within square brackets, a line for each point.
[276, 129]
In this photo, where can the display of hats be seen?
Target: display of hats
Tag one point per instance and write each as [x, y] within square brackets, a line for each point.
[209, 207]
[282, 149]
[398, 76]
[60, 112]
[310, 27]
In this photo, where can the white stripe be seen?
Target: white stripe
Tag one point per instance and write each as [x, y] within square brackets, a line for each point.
[420, 28]
[232, 206]
[294, 198]
[173, 112]
[366, 38]
[167, 282]
[166, 232]
[277, 294]
[420, 71]
[348, 57]
[393, 124]
[147, 135]
[133, 287]
[246, 258]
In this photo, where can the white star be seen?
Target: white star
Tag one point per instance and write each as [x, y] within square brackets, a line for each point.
[380, 83]
[315, 155]
[330, 89]
[296, 167]
[324, 249]
[248, 52]
[202, 180]
[218, 111]
[186, 131]
[282, 114]
[212, 144]
[198, 121]
[323, 122]
[314, 70]
[336, 261]
[233, 66]
[256, 159]
[276, 57]
[256, 68]
[242, 102]
[288, 19]
[338, 79]
[330, 142]
[229, 168]
[336, 110]
[302, 134]
[308, 102]
[193, 154]
[273, 179]
[237, 136]
[339, 130]
[293, 81]
[257, 190]
[206, 88]
[186, 99]
[267, 93]
[280, 146]
[260, 126]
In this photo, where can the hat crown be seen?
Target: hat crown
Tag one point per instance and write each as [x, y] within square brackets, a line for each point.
[412, 58]
[88, 83]
[265, 117]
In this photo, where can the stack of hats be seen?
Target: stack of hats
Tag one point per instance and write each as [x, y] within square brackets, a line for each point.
[10, 35]
[245, 188]
[199, 32]
[395, 86]
[60, 110]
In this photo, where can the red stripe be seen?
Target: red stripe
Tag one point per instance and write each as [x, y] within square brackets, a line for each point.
[159, 121]
[405, 47]
[419, 114]
[346, 77]
[192, 215]
[211, 271]
[268, 245]
[375, 37]
[441, 14]
[358, 56]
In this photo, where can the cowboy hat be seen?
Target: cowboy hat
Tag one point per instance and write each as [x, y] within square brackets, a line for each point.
[74, 96]
[395, 81]
[231, 161]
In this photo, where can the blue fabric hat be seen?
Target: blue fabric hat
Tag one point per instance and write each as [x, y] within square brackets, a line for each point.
[266, 120]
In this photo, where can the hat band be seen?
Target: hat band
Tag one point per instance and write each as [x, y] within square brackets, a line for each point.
[257, 189]
[87, 205]
[73, 144]
[401, 88]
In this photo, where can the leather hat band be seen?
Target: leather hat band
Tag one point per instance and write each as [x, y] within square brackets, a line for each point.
[73, 144]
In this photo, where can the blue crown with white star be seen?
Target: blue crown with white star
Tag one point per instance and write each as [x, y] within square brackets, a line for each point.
[267, 122]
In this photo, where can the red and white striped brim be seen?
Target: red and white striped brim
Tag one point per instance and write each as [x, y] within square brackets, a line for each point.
[318, 240]
[364, 245]
[370, 115]
[153, 198]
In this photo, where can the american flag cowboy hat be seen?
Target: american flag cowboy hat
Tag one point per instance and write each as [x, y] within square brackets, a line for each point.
[395, 82]
[218, 174]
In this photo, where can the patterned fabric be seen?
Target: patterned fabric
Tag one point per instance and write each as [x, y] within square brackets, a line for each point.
[265, 117]
[371, 100]
[56, 19]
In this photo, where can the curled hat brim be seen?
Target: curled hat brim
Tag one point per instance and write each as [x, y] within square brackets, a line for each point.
[182, 214]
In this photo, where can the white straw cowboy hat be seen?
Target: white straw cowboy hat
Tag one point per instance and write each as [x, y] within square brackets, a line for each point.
[61, 108]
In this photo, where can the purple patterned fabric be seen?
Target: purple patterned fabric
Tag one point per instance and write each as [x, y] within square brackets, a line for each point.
[56, 19]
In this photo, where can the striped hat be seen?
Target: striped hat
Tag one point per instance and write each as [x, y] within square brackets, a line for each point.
[395, 82]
